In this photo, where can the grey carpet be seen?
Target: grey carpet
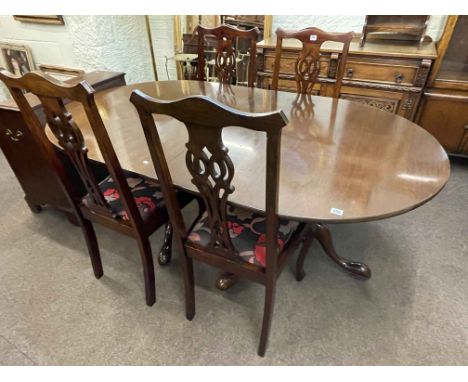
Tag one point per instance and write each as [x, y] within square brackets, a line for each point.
[413, 311]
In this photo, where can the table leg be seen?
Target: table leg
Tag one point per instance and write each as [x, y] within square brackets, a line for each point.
[226, 280]
[323, 235]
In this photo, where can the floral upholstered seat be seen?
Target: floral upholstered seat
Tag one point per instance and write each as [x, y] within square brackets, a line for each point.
[146, 192]
[247, 230]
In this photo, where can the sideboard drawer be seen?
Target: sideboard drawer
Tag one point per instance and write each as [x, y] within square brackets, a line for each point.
[380, 72]
[288, 62]
[284, 84]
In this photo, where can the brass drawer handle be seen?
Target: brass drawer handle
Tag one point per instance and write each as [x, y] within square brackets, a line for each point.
[399, 77]
[14, 136]
[466, 127]
[349, 73]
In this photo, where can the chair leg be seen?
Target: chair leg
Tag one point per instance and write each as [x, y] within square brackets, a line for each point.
[93, 247]
[148, 269]
[187, 270]
[309, 238]
[201, 207]
[165, 253]
[267, 316]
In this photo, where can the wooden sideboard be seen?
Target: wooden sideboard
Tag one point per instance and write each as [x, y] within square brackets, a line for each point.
[389, 75]
[444, 106]
[26, 156]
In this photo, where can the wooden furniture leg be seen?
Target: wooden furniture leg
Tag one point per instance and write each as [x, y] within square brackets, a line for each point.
[148, 269]
[267, 315]
[165, 253]
[226, 280]
[308, 239]
[323, 235]
[35, 208]
[93, 248]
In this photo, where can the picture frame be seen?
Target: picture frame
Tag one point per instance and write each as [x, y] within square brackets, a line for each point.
[16, 59]
[40, 19]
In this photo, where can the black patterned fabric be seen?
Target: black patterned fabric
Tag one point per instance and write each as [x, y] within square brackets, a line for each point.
[247, 230]
[146, 192]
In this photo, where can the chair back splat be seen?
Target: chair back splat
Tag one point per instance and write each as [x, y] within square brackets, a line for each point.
[307, 66]
[226, 52]
[224, 236]
[51, 94]
[208, 161]
[124, 201]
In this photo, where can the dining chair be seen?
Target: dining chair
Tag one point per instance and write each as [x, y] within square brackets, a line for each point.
[226, 52]
[124, 201]
[307, 65]
[307, 70]
[251, 245]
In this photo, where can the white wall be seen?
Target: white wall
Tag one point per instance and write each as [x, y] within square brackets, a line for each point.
[346, 23]
[118, 43]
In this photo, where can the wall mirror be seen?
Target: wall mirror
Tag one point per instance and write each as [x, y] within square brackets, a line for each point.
[186, 43]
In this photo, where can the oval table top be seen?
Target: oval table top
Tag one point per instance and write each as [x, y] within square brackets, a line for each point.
[341, 161]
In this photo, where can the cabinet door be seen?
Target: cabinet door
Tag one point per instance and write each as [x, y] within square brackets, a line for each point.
[404, 104]
[451, 68]
[31, 167]
[446, 118]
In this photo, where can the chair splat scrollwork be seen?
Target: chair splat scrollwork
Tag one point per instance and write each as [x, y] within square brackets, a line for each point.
[212, 172]
[226, 52]
[307, 66]
[208, 160]
[71, 140]
[123, 201]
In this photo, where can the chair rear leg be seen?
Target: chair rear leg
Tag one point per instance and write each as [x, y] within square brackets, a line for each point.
[148, 269]
[267, 315]
[187, 270]
[93, 247]
[165, 253]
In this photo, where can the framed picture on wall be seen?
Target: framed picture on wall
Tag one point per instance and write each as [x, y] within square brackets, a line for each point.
[16, 59]
[40, 19]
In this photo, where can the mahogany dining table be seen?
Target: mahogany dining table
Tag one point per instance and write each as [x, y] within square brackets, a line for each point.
[341, 161]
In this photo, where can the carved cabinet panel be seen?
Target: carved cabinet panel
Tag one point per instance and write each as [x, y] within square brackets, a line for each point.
[385, 104]
[400, 103]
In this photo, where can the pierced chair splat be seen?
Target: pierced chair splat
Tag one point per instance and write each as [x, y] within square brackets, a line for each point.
[226, 55]
[248, 244]
[124, 201]
[307, 66]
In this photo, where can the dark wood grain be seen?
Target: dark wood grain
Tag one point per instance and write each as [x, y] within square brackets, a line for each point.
[335, 153]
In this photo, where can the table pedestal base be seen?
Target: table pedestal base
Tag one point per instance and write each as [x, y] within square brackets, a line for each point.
[322, 233]
[226, 280]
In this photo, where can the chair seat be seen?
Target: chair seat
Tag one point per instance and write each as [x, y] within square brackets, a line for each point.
[247, 230]
[146, 192]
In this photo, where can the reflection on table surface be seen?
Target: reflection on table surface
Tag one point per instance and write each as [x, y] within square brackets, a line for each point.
[336, 155]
